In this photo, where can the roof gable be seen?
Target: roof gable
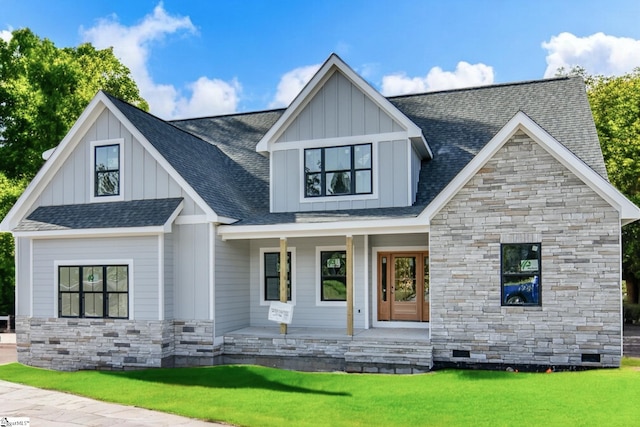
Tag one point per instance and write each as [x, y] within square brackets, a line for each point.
[324, 88]
[69, 143]
[521, 121]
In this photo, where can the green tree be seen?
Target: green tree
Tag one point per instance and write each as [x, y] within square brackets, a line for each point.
[615, 103]
[10, 190]
[43, 90]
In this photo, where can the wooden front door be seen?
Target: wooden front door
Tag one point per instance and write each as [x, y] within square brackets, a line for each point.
[403, 286]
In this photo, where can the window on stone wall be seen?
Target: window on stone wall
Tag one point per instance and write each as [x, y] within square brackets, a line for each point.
[521, 272]
[97, 291]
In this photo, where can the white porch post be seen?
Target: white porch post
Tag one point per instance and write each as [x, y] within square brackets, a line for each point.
[350, 285]
[283, 278]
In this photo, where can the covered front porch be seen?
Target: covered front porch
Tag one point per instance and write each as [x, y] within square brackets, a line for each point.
[376, 350]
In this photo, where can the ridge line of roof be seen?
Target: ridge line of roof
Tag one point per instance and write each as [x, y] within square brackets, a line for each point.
[490, 86]
[390, 98]
[221, 116]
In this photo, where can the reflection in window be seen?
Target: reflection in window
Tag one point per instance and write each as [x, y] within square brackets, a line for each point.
[336, 171]
[272, 276]
[83, 291]
[520, 270]
[107, 170]
[333, 275]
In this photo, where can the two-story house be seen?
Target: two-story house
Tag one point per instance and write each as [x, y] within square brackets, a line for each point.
[464, 227]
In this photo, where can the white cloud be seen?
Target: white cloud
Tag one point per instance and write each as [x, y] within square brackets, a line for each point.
[6, 35]
[291, 84]
[132, 45]
[203, 91]
[598, 53]
[465, 75]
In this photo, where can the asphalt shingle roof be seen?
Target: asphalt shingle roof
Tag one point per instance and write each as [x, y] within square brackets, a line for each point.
[136, 213]
[217, 157]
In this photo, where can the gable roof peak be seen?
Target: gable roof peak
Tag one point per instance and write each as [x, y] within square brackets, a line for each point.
[335, 64]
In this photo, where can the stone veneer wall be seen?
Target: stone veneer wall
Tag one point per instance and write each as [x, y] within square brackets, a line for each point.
[524, 195]
[73, 344]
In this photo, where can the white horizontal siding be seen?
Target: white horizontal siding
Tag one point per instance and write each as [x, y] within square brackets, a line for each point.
[142, 250]
[307, 313]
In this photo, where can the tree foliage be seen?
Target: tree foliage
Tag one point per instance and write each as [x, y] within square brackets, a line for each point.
[615, 103]
[43, 90]
[10, 190]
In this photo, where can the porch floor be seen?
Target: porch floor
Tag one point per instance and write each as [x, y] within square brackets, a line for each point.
[374, 334]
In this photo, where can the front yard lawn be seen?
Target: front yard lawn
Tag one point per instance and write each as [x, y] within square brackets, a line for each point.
[259, 396]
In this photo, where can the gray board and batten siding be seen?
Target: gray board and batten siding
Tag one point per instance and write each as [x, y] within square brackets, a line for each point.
[142, 176]
[341, 110]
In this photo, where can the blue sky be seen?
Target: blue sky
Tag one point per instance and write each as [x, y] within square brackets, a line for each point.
[200, 58]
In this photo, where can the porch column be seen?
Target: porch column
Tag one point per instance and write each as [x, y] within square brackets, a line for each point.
[350, 285]
[283, 278]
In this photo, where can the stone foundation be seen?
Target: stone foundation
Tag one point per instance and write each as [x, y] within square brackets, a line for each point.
[113, 344]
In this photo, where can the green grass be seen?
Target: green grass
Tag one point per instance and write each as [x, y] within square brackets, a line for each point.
[258, 396]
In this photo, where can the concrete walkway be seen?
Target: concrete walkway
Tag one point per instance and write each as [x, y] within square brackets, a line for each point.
[55, 409]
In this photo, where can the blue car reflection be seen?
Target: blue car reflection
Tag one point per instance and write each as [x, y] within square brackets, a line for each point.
[522, 293]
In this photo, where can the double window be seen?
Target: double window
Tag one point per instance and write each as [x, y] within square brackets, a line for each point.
[521, 273]
[338, 171]
[270, 274]
[96, 291]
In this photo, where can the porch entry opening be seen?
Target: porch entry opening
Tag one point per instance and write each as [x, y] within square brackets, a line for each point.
[403, 286]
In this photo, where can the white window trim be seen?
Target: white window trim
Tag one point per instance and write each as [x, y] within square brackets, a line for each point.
[89, 262]
[291, 249]
[318, 272]
[346, 197]
[92, 173]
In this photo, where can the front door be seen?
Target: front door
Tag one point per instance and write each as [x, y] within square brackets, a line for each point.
[403, 286]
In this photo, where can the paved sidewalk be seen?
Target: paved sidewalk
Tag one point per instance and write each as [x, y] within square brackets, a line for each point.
[55, 409]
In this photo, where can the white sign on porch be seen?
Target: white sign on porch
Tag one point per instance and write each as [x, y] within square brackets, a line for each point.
[281, 312]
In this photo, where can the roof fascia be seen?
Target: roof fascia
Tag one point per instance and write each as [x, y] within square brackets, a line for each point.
[344, 228]
[169, 222]
[51, 166]
[334, 62]
[92, 232]
[520, 121]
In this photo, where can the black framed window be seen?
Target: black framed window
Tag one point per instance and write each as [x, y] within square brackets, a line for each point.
[333, 275]
[521, 273]
[96, 291]
[338, 171]
[272, 276]
[107, 170]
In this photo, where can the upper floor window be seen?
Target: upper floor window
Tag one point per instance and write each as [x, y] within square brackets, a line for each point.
[521, 269]
[107, 170]
[338, 171]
